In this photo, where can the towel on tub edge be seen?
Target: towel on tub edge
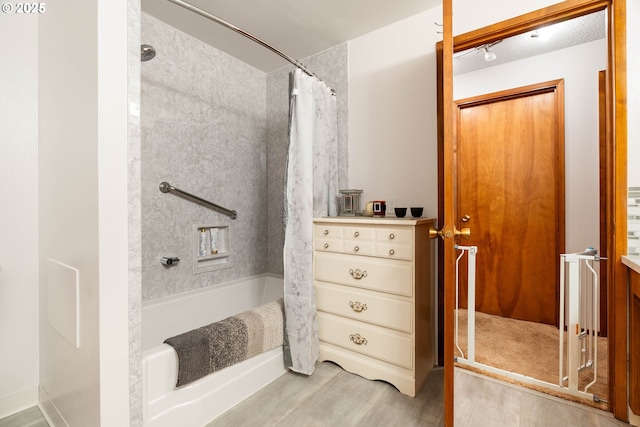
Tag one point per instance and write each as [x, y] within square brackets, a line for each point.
[213, 347]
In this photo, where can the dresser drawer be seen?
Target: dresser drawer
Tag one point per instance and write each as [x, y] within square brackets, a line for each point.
[328, 245]
[359, 247]
[378, 274]
[328, 231]
[386, 242]
[373, 341]
[359, 233]
[364, 306]
[397, 235]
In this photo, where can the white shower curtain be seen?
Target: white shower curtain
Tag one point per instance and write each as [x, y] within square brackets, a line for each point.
[311, 191]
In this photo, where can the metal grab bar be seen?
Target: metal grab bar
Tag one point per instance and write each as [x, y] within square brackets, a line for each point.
[165, 187]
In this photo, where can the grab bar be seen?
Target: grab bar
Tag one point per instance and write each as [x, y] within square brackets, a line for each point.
[165, 187]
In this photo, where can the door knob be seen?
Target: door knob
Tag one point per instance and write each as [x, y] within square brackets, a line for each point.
[465, 232]
[465, 218]
[434, 233]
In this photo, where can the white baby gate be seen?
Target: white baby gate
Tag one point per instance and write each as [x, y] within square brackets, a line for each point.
[579, 314]
[579, 308]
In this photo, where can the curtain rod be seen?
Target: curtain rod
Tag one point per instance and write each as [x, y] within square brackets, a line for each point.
[229, 25]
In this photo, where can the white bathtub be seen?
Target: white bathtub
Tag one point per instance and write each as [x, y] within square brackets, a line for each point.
[198, 403]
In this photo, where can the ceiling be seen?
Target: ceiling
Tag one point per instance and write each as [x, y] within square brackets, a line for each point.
[299, 28]
[554, 37]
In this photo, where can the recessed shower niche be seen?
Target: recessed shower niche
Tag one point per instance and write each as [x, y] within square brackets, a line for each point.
[212, 247]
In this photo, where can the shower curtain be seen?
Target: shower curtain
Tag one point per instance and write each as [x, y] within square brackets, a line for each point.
[311, 190]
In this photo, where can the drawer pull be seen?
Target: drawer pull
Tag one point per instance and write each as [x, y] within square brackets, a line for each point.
[326, 232]
[326, 246]
[357, 339]
[356, 248]
[357, 273]
[392, 252]
[357, 306]
[392, 236]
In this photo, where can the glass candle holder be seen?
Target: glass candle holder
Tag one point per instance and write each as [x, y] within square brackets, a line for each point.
[350, 202]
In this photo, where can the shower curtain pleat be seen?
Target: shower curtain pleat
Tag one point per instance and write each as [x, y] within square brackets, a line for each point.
[311, 191]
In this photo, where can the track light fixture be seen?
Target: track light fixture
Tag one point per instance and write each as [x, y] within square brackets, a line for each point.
[488, 55]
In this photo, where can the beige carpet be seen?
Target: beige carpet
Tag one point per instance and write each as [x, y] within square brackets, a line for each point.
[529, 349]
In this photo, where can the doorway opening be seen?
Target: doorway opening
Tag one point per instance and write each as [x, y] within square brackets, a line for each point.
[524, 288]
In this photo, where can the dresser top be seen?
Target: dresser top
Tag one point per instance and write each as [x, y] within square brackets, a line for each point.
[375, 220]
[632, 261]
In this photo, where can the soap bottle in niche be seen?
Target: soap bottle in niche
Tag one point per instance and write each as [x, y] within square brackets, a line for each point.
[202, 242]
[213, 234]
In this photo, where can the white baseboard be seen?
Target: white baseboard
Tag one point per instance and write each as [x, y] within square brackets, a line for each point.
[18, 401]
[49, 410]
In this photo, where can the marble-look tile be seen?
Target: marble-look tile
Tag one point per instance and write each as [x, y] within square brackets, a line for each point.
[134, 215]
[203, 129]
[216, 127]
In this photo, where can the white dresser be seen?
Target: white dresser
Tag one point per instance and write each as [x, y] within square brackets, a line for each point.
[373, 279]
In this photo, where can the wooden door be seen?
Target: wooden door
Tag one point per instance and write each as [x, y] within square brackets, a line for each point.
[634, 341]
[510, 182]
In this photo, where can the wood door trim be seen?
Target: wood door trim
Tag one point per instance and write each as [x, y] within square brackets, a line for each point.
[517, 92]
[617, 208]
[603, 160]
[528, 22]
[446, 126]
[616, 165]
[553, 14]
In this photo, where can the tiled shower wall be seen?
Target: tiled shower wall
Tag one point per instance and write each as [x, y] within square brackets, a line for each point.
[203, 123]
[216, 127]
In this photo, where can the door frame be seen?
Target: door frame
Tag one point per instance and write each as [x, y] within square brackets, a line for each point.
[615, 181]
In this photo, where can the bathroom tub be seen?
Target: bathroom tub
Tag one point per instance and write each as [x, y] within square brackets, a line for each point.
[201, 401]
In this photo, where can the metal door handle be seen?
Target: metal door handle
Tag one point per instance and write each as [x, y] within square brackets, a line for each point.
[465, 218]
[434, 233]
[465, 232]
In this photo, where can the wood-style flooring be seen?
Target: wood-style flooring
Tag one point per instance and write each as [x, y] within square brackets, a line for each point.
[333, 397]
[31, 417]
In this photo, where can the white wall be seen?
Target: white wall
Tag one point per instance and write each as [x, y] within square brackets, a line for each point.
[69, 376]
[392, 113]
[19, 213]
[114, 49]
[579, 67]
[83, 212]
[392, 102]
